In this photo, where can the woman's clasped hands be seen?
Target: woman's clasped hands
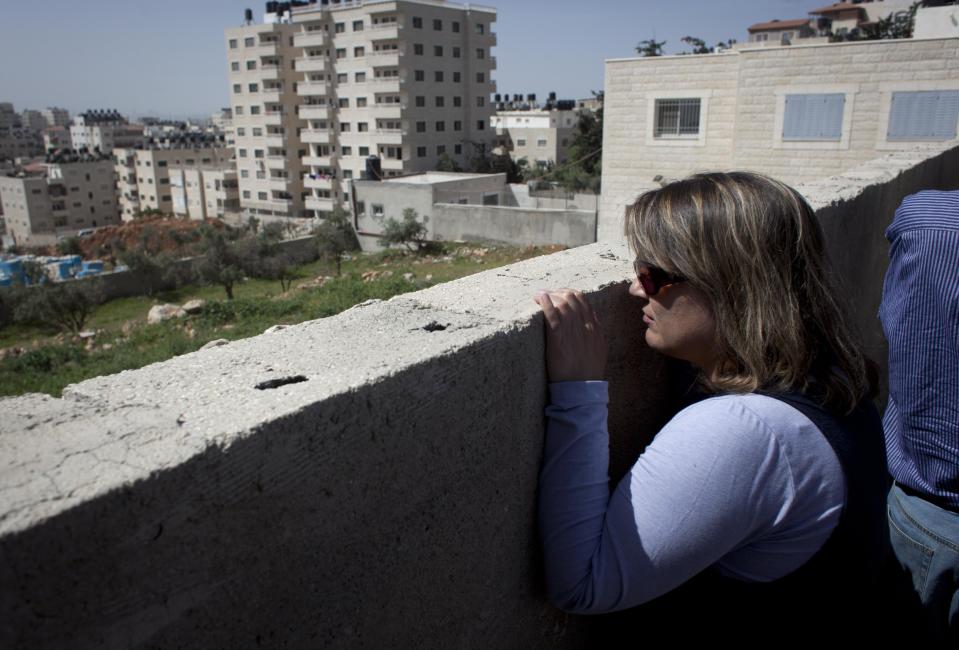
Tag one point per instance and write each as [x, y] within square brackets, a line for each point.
[575, 346]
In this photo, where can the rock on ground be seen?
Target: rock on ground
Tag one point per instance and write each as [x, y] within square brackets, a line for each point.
[160, 313]
[194, 306]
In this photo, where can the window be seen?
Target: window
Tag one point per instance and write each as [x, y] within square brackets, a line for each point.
[810, 117]
[481, 101]
[676, 118]
[457, 125]
[359, 50]
[456, 77]
[480, 29]
[254, 110]
[438, 76]
[232, 43]
[480, 77]
[480, 53]
[923, 115]
[440, 149]
[261, 196]
[456, 52]
[240, 131]
[377, 210]
[541, 142]
[257, 153]
[361, 102]
[244, 173]
[421, 152]
[362, 127]
[237, 88]
[441, 126]
[418, 49]
[439, 102]
[437, 25]
[457, 101]
[235, 66]
[342, 78]
[341, 52]
[421, 127]
[238, 110]
[254, 88]
[339, 28]
[417, 22]
[246, 194]
[357, 25]
[344, 127]
[359, 77]
[419, 75]
[521, 142]
[420, 101]
[251, 65]
[456, 27]
[364, 151]
[161, 163]
[346, 151]
[343, 102]
[437, 50]
[248, 41]
[480, 125]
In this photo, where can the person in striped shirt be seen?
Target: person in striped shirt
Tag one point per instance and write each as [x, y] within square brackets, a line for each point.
[920, 318]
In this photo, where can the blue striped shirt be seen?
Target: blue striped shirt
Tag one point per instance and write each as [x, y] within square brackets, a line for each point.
[920, 318]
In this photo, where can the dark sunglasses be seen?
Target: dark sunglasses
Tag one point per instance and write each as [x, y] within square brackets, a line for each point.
[654, 278]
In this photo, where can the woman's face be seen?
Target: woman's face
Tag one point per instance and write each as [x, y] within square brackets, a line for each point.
[680, 323]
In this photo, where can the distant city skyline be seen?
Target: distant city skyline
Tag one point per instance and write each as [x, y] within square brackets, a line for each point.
[168, 60]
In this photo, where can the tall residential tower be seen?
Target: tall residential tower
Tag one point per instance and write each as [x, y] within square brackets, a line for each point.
[329, 91]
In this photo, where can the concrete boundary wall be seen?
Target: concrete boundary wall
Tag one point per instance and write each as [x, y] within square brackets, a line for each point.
[365, 480]
[516, 226]
[130, 283]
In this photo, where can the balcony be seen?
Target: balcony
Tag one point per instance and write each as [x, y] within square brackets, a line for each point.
[393, 164]
[262, 49]
[385, 84]
[277, 162]
[274, 118]
[318, 203]
[389, 136]
[275, 205]
[310, 39]
[312, 64]
[318, 183]
[388, 111]
[315, 136]
[275, 140]
[386, 32]
[384, 57]
[314, 112]
[313, 88]
[317, 161]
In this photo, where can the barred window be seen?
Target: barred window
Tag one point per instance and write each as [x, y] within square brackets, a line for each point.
[676, 118]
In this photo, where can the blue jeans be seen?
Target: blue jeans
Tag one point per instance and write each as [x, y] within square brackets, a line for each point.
[925, 541]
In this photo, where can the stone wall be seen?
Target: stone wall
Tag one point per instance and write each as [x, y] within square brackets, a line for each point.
[364, 480]
[514, 226]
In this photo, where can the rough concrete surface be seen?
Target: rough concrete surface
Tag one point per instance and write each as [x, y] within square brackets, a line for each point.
[363, 480]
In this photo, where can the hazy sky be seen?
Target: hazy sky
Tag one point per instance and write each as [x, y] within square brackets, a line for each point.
[167, 57]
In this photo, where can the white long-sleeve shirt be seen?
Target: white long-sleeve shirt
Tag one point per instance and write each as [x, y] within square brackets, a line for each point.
[745, 482]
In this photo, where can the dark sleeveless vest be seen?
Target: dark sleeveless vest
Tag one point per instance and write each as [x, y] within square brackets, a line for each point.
[837, 594]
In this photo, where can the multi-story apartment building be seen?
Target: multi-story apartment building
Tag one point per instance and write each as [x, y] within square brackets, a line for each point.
[799, 113]
[58, 198]
[321, 88]
[541, 135]
[33, 120]
[57, 116]
[104, 130]
[9, 119]
[143, 174]
[56, 137]
[205, 191]
[18, 142]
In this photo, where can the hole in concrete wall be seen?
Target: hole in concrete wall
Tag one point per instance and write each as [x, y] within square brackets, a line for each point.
[282, 381]
[433, 326]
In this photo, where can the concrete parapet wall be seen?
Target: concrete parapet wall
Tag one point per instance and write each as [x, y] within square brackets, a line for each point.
[365, 480]
[517, 226]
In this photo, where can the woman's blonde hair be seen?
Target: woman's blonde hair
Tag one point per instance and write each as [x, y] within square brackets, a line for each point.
[754, 246]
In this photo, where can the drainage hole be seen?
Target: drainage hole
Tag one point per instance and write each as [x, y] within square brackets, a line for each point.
[433, 326]
[283, 381]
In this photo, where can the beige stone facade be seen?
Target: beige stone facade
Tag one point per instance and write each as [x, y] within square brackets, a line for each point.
[103, 131]
[742, 97]
[60, 201]
[143, 175]
[205, 191]
[541, 136]
[405, 80]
